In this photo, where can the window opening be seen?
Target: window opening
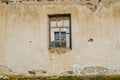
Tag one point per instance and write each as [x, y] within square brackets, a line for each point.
[60, 31]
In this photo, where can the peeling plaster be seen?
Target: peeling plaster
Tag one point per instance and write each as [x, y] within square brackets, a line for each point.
[24, 37]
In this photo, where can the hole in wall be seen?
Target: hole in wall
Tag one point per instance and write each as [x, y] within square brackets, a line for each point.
[30, 41]
[99, 1]
[90, 40]
[7, 2]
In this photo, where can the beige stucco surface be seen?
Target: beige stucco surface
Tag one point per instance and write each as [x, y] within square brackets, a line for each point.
[24, 37]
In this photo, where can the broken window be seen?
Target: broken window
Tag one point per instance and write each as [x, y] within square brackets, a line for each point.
[60, 31]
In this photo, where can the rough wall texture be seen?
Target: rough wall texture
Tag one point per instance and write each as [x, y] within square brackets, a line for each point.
[24, 35]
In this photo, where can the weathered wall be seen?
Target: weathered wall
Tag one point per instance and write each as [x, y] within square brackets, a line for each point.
[24, 34]
[2, 34]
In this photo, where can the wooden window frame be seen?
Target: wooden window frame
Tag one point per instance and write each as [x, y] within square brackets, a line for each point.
[70, 29]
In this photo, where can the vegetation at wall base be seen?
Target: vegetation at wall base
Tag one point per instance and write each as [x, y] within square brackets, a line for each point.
[66, 78]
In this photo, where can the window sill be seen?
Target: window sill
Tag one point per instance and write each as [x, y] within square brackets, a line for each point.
[59, 50]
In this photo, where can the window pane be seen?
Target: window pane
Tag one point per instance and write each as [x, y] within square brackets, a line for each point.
[53, 22]
[63, 35]
[53, 30]
[52, 44]
[59, 21]
[67, 40]
[52, 38]
[57, 39]
[57, 35]
[66, 22]
[63, 39]
[65, 30]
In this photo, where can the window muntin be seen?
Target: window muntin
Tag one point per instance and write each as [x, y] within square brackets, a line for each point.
[59, 22]
[53, 22]
[66, 21]
[60, 31]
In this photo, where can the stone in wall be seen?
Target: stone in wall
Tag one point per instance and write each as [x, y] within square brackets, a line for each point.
[38, 73]
[67, 73]
[94, 70]
[5, 70]
[113, 72]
